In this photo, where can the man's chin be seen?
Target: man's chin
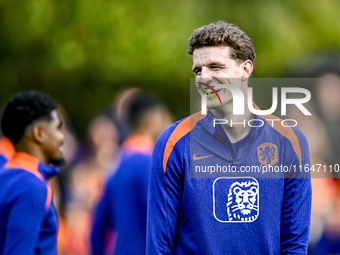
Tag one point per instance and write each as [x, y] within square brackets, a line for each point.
[58, 162]
[213, 106]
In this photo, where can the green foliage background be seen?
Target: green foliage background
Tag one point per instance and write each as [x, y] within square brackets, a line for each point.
[83, 52]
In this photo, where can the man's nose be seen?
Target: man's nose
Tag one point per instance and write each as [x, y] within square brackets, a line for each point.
[205, 74]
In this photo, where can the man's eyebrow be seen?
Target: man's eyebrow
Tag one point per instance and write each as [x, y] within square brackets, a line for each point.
[216, 64]
[210, 64]
[195, 68]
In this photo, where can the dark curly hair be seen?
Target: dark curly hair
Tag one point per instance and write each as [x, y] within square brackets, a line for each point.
[22, 109]
[223, 33]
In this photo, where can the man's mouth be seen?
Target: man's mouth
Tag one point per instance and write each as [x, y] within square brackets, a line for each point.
[210, 91]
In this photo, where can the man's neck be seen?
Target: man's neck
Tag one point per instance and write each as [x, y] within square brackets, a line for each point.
[31, 149]
[237, 125]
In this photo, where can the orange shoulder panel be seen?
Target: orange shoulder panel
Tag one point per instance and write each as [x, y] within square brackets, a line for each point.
[181, 130]
[287, 132]
[6, 147]
[26, 162]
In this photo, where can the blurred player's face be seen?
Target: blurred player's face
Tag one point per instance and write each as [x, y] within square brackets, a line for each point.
[53, 139]
[212, 66]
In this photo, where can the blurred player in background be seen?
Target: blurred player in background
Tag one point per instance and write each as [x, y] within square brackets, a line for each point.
[120, 220]
[100, 156]
[28, 220]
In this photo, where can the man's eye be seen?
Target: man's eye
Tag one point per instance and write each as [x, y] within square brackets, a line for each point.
[197, 72]
[215, 67]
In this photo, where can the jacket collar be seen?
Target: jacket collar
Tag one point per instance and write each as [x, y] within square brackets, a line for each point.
[22, 160]
[218, 131]
[138, 144]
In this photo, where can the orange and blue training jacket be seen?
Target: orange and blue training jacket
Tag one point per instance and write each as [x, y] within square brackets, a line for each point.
[28, 219]
[208, 195]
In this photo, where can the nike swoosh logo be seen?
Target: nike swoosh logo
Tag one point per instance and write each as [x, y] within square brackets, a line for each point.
[197, 158]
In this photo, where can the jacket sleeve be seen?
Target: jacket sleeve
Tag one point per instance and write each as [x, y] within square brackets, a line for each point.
[164, 197]
[27, 210]
[296, 209]
[101, 224]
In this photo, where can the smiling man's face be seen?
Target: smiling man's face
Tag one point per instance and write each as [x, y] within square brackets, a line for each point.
[212, 66]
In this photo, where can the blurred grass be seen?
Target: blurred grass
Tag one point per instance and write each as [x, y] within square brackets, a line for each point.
[84, 52]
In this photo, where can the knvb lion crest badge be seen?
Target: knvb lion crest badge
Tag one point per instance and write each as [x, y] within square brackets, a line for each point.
[267, 154]
[240, 204]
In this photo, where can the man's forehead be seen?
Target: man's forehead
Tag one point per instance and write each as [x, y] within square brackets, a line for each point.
[211, 53]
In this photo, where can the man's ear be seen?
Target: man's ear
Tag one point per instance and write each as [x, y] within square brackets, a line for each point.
[247, 68]
[38, 132]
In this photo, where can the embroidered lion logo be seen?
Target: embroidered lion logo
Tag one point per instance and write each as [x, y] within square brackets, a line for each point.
[242, 202]
[267, 154]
